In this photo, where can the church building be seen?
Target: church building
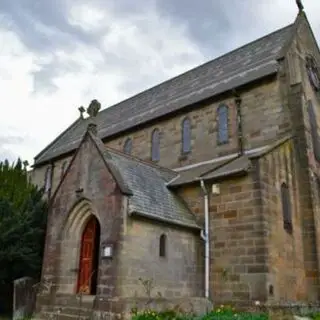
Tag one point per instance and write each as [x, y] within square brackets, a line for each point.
[204, 188]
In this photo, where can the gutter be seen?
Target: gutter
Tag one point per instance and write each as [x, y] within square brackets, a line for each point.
[205, 236]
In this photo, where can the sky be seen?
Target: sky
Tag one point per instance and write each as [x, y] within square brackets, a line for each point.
[58, 55]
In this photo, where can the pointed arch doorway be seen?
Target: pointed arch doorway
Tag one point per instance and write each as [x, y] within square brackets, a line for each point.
[89, 257]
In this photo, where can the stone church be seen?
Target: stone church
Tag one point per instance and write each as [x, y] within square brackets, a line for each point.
[203, 188]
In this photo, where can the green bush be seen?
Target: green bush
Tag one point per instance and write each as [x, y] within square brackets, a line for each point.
[314, 316]
[220, 313]
[163, 315]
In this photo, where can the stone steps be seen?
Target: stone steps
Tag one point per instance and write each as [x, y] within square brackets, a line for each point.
[49, 316]
[68, 308]
[64, 316]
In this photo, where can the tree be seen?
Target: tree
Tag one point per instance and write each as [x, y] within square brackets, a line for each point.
[22, 224]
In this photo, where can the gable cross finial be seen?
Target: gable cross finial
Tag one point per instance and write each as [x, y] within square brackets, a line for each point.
[82, 111]
[92, 111]
[93, 108]
[300, 5]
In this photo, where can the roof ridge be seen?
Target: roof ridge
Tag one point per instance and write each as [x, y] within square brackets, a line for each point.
[58, 137]
[150, 164]
[195, 68]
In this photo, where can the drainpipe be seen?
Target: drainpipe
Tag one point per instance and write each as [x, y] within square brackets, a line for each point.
[205, 237]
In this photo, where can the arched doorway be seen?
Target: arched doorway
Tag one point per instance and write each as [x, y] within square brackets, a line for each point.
[89, 257]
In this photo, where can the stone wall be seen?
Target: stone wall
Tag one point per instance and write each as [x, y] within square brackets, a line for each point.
[264, 119]
[179, 273]
[24, 296]
[87, 189]
[286, 280]
[304, 194]
[299, 92]
[252, 256]
[238, 242]
[306, 45]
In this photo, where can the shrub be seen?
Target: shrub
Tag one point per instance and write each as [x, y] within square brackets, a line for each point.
[162, 315]
[220, 313]
[227, 312]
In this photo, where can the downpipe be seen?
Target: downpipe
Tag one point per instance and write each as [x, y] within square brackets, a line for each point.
[205, 237]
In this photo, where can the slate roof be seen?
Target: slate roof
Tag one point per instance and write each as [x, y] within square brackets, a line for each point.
[243, 65]
[211, 171]
[146, 185]
[191, 174]
[223, 167]
[236, 166]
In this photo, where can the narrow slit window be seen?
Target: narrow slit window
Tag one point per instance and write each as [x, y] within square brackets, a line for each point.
[47, 179]
[155, 145]
[286, 208]
[163, 245]
[223, 128]
[186, 135]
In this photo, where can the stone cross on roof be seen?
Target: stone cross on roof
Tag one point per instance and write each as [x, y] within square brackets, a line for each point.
[92, 111]
[82, 111]
[93, 108]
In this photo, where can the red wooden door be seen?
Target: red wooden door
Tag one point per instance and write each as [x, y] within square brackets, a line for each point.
[87, 252]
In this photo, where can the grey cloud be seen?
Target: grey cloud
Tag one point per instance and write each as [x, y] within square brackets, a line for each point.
[30, 19]
[219, 26]
[208, 23]
[216, 26]
[43, 77]
[11, 140]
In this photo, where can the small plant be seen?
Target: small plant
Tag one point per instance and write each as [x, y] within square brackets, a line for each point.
[162, 315]
[148, 286]
[227, 312]
[220, 313]
[314, 316]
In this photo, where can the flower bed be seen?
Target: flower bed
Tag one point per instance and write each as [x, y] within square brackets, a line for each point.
[219, 313]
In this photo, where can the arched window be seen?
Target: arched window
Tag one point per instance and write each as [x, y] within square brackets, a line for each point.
[314, 130]
[286, 208]
[47, 179]
[155, 145]
[222, 120]
[127, 147]
[162, 245]
[186, 135]
[63, 169]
